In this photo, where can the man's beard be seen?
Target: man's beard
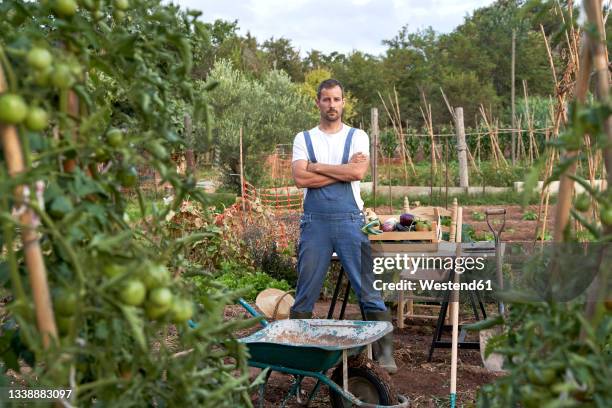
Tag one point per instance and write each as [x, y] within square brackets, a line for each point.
[328, 116]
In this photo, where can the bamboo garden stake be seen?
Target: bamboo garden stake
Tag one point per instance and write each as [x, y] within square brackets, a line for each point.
[37, 273]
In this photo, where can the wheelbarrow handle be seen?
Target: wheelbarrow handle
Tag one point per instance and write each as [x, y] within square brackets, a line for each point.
[252, 311]
[244, 304]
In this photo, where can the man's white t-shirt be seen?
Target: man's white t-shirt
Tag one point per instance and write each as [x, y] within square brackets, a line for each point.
[329, 148]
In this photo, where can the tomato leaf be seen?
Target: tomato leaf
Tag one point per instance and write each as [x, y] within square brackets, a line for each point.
[136, 324]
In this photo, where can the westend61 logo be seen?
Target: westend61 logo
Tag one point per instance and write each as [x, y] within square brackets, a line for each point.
[413, 264]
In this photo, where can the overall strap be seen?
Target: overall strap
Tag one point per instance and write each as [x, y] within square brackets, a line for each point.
[347, 146]
[311, 155]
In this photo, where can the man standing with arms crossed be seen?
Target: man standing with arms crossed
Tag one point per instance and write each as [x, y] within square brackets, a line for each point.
[329, 161]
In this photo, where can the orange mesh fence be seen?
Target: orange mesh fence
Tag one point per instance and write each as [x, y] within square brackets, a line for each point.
[277, 198]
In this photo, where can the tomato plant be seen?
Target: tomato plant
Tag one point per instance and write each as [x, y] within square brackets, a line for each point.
[90, 86]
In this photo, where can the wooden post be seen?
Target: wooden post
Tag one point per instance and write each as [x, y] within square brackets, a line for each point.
[455, 317]
[189, 156]
[241, 174]
[461, 148]
[345, 370]
[37, 273]
[512, 97]
[374, 151]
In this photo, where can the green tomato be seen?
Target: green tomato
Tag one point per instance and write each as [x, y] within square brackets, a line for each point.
[100, 154]
[60, 206]
[133, 292]
[118, 15]
[41, 77]
[37, 119]
[64, 324]
[605, 215]
[122, 5]
[89, 4]
[61, 77]
[182, 310]
[98, 15]
[13, 109]
[582, 203]
[128, 176]
[158, 150]
[66, 303]
[154, 275]
[155, 312]
[65, 8]
[541, 376]
[39, 58]
[114, 137]
[161, 297]
[112, 270]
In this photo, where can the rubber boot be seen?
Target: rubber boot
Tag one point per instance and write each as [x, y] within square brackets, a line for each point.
[382, 350]
[299, 315]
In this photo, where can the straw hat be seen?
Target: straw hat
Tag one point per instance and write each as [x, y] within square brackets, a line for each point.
[275, 303]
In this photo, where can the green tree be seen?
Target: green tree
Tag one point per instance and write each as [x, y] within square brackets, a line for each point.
[270, 111]
[281, 55]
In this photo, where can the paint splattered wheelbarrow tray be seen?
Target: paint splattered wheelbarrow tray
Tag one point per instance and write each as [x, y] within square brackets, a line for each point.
[309, 348]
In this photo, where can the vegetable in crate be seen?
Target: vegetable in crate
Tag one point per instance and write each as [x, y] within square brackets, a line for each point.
[399, 227]
[422, 226]
[407, 219]
[389, 225]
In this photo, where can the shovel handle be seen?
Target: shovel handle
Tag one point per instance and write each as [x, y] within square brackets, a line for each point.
[496, 232]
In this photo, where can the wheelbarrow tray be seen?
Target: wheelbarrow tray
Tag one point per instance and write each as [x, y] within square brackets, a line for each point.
[311, 344]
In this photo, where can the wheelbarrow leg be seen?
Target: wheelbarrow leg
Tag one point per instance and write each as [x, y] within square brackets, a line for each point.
[294, 390]
[262, 390]
[314, 391]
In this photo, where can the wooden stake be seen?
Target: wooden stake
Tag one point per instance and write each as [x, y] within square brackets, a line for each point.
[461, 148]
[241, 174]
[374, 150]
[566, 184]
[37, 272]
[455, 316]
[512, 97]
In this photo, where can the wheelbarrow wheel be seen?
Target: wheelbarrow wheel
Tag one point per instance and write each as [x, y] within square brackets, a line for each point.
[366, 381]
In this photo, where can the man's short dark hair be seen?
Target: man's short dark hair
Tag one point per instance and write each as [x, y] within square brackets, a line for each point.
[328, 84]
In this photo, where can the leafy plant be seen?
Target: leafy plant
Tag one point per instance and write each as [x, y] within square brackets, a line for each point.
[99, 80]
[248, 282]
[546, 360]
[529, 216]
[478, 216]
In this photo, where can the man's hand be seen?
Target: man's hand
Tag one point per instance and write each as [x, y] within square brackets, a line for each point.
[304, 177]
[358, 157]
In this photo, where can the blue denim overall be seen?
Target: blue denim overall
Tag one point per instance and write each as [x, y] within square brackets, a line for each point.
[332, 223]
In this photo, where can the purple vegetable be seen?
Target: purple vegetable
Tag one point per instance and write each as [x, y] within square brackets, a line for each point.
[407, 219]
[388, 226]
[401, 228]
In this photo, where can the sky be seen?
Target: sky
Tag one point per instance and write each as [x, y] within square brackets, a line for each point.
[336, 25]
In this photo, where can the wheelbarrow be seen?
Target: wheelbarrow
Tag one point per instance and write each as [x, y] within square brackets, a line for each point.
[311, 347]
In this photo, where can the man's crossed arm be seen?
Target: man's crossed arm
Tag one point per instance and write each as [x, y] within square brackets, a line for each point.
[314, 175]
